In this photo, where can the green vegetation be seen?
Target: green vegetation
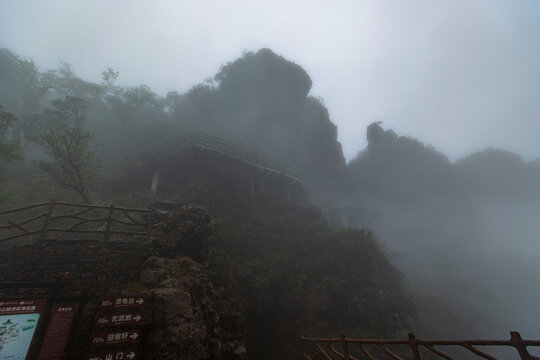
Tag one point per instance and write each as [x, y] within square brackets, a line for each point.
[72, 159]
[9, 149]
[68, 145]
[288, 268]
[298, 276]
[127, 120]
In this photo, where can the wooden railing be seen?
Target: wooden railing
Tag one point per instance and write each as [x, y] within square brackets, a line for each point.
[62, 217]
[158, 153]
[411, 348]
[202, 140]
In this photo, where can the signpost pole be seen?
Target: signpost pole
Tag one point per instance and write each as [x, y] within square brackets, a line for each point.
[119, 327]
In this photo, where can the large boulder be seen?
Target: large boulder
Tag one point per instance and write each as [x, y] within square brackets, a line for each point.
[192, 319]
[183, 230]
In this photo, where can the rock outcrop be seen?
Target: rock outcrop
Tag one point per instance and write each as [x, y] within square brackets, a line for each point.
[398, 169]
[191, 319]
[190, 316]
[262, 102]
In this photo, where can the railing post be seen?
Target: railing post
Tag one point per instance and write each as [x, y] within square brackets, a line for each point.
[109, 221]
[48, 217]
[414, 346]
[517, 342]
[149, 231]
[346, 355]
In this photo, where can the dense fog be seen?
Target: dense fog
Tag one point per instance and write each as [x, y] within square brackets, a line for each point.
[464, 233]
[458, 75]
[419, 122]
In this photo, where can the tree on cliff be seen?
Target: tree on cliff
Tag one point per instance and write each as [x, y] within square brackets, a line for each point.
[399, 168]
[9, 149]
[69, 145]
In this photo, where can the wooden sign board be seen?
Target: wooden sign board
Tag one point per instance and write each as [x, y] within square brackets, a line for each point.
[120, 302]
[123, 319]
[57, 332]
[116, 338]
[123, 354]
[22, 306]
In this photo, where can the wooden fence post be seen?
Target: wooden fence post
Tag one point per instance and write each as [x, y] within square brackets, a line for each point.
[48, 218]
[149, 234]
[414, 346]
[109, 222]
[517, 342]
[346, 355]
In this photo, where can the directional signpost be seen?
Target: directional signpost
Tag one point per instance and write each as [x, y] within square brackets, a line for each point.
[123, 354]
[122, 319]
[121, 302]
[116, 337]
[119, 325]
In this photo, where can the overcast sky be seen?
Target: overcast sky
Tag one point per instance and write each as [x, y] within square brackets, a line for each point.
[460, 75]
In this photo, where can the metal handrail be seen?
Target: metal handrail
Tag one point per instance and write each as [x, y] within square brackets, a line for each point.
[198, 139]
[163, 151]
[326, 348]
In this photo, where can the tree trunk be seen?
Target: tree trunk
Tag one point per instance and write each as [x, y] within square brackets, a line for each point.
[85, 198]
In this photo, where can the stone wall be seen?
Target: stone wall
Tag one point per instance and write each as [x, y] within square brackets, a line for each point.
[94, 267]
[190, 316]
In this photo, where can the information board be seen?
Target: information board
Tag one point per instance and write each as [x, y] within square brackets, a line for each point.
[18, 323]
[57, 333]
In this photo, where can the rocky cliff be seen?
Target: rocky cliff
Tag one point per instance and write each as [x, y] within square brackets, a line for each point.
[192, 319]
[247, 283]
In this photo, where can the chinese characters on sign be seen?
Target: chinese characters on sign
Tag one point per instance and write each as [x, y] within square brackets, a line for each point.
[57, 332]
[123, 302]
[118, 322]
[122, 319]
[116, 337]
[124, 354]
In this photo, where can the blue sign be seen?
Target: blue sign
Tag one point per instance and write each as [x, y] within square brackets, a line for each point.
[16, 332]
[18, 323]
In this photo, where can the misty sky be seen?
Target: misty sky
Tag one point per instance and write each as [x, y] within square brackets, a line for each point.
[460, 75]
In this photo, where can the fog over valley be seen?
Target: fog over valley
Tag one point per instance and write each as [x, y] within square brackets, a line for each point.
[461, 76]
[365, 168]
